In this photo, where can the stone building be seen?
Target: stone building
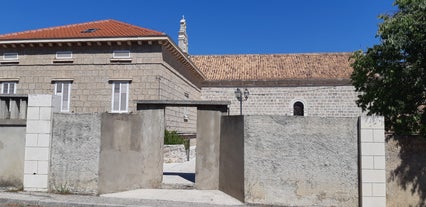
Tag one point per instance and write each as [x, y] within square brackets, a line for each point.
[315, 84]
[101, 66]
[105, 66]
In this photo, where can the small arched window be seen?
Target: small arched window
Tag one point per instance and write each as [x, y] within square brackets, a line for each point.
[298, 109]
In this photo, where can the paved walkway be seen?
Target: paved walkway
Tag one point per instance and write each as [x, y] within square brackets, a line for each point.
[31, 199]
[175, 174]
[179, 173]
[214, 197]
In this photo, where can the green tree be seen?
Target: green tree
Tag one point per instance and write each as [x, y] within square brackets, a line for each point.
[391, 75]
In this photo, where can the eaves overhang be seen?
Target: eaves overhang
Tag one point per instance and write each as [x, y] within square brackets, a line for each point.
[72, 40]
[161, 39]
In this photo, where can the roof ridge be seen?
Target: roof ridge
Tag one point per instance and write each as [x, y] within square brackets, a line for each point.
[54, 27]
[134, 26]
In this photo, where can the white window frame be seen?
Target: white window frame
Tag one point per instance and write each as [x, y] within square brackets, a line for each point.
[120, 51]
[64, 53]
[63, 84]
[122, 84]
[8, 83]
[10, 53]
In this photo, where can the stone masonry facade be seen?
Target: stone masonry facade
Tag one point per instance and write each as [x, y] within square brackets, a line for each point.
[322, 101]
[154, 73]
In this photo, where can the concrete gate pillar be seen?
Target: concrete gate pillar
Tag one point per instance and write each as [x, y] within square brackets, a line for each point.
[37, 141]
[208, 149]
[209, 115]
[153, 126]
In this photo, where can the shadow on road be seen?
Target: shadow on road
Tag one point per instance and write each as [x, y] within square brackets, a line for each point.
[187, 176]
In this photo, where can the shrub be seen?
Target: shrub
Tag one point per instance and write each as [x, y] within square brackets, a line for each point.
[173, 138]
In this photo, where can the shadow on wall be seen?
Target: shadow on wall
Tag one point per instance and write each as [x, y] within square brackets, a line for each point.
[406, 171]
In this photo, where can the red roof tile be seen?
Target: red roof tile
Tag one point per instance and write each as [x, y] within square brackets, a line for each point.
[325, 66]
[103, 28]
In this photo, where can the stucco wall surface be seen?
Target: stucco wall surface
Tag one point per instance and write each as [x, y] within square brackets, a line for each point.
[131, 151]
[231, 164]
[405, 172]
[301, 161]
[75, 152]
[12, 145]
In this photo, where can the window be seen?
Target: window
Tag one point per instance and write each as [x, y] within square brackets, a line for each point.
[63, 90]
[10, 56]
[8, 87]
[298, 109]
[63, 54]
[120, 96]
[121, 54]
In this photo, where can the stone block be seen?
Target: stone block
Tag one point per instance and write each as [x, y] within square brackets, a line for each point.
[373, 176]
[379, 189]
[38, 126]
[30, 167]
[367, 135]
[374, 202]
[372, 122]
[36, 153]
[367, 189]
[379, 162]
[367, 162]
[39, 100]
[31, 140]
[35, 181]
[45, 113]
[42, 167]
[43, 140]
[379, 135]
[33, 113]
[372, 149]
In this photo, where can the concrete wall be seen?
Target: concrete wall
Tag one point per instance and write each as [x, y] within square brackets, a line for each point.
[327, 101]
[12, 145]
[131, 151]
[75, 148]
[405, 171]
[104, 153]
[231, 165]
[299, 161]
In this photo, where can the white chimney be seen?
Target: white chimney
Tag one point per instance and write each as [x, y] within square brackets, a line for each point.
[183, 37]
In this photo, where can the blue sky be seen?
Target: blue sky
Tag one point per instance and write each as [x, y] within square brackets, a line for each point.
[221, 26]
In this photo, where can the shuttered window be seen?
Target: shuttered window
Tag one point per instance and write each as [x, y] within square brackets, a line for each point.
[120, 96]
[8, 88]
[63, 89]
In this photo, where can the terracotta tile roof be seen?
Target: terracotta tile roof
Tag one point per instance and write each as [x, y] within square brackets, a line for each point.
[103, 28]
[327, 66]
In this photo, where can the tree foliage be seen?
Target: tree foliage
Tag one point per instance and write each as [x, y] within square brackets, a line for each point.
[391, 75]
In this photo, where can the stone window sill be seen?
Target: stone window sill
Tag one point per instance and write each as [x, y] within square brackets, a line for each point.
[125, 60]
[69, 60]
[4, 62]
